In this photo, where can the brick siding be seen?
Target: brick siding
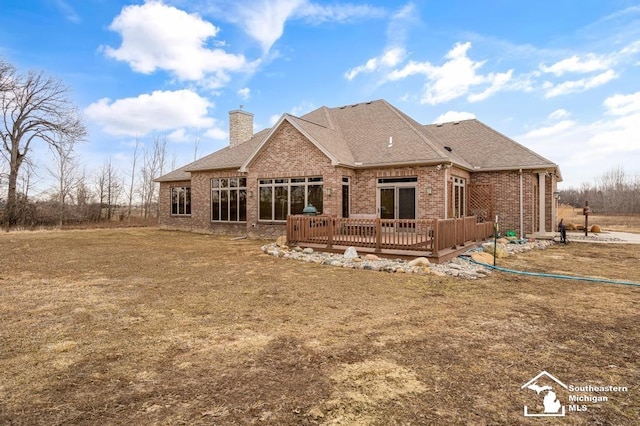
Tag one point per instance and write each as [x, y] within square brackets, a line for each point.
[289, 154]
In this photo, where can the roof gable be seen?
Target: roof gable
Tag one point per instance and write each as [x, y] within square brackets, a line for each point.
[308, 130]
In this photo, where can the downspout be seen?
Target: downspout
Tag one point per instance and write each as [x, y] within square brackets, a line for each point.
[446, 193]
[521, 207]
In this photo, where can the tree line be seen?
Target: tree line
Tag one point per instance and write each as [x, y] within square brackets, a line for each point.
[37, 109]
[615, 192]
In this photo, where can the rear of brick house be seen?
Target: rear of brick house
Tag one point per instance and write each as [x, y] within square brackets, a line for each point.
[367, 158]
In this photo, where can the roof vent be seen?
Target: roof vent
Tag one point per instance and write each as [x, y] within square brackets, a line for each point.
[439, 124]
[456, 122]
[448, 148]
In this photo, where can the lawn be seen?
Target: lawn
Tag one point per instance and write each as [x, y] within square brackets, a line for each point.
[143, 326]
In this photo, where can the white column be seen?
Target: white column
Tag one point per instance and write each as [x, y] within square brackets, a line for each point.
[542, 190]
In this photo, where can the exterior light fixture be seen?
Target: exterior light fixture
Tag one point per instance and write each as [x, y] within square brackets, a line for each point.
[429, 191]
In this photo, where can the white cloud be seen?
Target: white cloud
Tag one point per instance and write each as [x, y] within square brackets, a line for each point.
[388, 59]
[157, 36]
[264, 20]
[339, 12]
[244, 93]
[555, 129]
[158, 111]
[450, 116]
[395, 52]
[623, 104]
[302, 108]
[581, 148]
[455, 78]
[559, 114]
[577, 86]
[178, 135]
[216, 133]
[497, 80]
[274, 119]
[575, 64]
[68, 11]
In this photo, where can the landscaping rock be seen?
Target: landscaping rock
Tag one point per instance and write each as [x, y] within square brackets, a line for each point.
[350, 253]
[420, 261]
[483, 257]
[459, 267]
[502, 241]
[596, 229]
[500, 249]
[281, 241]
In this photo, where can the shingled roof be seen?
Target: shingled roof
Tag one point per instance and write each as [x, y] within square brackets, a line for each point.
[376, 134]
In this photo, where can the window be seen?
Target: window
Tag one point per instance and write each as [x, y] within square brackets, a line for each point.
[345, 197]
[181, 201]
[282, 197]
[229, 199]
[458, 197]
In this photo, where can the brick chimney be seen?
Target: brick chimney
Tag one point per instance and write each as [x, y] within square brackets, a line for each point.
[240, 126]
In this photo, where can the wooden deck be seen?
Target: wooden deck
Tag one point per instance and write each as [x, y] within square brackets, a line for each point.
[437, 239]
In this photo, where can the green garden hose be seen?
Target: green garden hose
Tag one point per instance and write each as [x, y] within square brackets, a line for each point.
[564, 277]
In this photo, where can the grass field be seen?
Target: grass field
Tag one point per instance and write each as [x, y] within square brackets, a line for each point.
[622, 223]
[143, 326]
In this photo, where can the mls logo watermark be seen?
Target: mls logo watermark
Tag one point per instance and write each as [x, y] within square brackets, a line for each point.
[543, 385]
[551, 395]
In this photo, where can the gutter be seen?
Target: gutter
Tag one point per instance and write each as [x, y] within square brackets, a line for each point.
[521, 206]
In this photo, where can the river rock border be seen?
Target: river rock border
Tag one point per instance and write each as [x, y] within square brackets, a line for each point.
[458, 267]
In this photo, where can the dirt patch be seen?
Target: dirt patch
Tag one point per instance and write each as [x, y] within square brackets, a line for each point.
[142, 326]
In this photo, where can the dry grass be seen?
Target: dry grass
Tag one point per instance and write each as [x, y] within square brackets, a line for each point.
[141, 326]
[622, 223]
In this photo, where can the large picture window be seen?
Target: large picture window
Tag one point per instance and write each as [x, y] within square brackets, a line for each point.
[181, 201]
[282, 197]
[229, 199]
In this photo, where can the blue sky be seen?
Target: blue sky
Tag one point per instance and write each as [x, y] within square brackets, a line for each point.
[561, 77]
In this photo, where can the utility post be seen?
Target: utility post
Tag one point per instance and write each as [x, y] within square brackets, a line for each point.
[586, 210]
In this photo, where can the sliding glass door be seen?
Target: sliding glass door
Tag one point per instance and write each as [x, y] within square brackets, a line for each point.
[397, 198]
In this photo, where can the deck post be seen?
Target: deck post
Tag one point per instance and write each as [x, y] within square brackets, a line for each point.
[378, 235]
[464, 231]
[436, 238]
[330, 236]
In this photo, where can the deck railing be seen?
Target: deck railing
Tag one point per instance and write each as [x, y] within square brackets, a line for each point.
[420, 235]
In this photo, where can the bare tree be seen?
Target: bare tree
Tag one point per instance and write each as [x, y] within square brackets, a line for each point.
[153, 166]
[133, 176]
[195, 148]
[109, 187]
[85, 200]
[66, 174]
[7, 76]
[34, 107]
[27, 180]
